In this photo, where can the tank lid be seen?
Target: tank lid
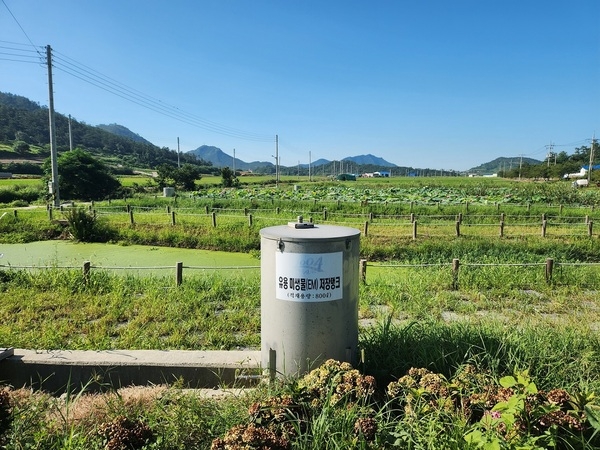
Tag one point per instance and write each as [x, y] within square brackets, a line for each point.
[308, 233]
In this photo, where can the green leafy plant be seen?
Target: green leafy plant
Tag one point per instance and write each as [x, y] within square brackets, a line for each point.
[84, 226]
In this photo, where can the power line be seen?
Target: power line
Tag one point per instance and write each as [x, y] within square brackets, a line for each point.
[93, 77]
[108, 84]
[15, 54]
[22, 29]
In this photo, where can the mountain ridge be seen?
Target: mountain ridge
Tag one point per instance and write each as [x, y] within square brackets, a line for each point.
[219, 158]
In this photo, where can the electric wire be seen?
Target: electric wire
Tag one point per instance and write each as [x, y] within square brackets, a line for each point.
[22, 29]
[95, 78]
[26, 55]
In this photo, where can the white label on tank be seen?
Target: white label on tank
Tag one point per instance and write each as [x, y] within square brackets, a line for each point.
[309, 277]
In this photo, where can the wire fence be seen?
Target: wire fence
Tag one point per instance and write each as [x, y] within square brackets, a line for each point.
[375, 225]
[549, 267]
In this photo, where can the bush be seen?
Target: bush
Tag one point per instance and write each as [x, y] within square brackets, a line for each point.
[86, 227]
[24, 194]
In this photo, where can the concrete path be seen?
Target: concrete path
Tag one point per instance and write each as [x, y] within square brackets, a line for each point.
[57, 370]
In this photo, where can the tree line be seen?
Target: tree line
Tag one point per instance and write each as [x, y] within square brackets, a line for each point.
[24, 127]
[556, 166]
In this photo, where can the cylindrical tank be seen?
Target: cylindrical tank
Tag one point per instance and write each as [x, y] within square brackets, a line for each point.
[168, 192]
[309, 296]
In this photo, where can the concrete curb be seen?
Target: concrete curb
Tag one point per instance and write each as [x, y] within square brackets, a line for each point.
[56, 371]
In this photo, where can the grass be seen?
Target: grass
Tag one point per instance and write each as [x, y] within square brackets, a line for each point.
[465, 354]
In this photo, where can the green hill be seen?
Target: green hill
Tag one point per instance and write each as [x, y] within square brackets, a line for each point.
[27, 121]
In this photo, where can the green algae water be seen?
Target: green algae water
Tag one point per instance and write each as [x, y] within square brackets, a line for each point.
[145, 259]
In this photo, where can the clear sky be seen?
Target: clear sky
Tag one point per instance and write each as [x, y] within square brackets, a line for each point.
[444, 84]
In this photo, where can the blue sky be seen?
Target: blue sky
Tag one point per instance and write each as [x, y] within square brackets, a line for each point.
[428, 84]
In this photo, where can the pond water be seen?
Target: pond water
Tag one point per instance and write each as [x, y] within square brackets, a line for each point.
[67, 253]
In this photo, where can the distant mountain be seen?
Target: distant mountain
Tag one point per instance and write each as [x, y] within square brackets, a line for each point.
[369, 160]
[502, 164]
[219, 158]
[360, 160]
[122, 131]
[317, 163]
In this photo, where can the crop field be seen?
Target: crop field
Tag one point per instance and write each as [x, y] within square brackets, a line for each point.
[471, 295]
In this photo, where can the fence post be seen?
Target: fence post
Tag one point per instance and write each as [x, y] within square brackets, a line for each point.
[15, 213]
[245, 211]
[549, 269]
[178, 274]
[168, 209]
[363, 270]
[131, 221]
[206, 209]
[412, 217]
[411, 206]
[458, 228]
[590, 228]
[366, 228]
[277, 210]
[371, 217]
[50, 213]
[250, 220]
[544, 223]
[560, 208]
[324, 214]
[214, 219]
[86, 272]
[272, 365]
[587, 218]
[172, 217]
[502, 228]
[459, 217]
[455, 267]
[414, 236]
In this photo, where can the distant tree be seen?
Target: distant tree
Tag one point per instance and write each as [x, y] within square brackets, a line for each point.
[21, 147]
[81, 176]
[183, 177]
[228, 178]
[186, 176]
[164, 175]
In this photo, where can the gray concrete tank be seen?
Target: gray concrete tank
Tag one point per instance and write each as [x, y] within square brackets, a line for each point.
[309, 296]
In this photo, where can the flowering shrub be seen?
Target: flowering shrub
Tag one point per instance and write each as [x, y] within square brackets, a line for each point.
[5, 410]
[510, 414]
[123, 433]
[250, 437]
[334, 381]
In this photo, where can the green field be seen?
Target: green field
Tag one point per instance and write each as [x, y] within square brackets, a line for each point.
[491, 353]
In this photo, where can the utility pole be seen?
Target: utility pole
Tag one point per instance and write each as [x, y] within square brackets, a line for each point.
[589, 174]
[550, 152]
[234, 162]
[70, 135]
[309, 163]
[520, 167]
[53, 154]
[276, 160]
[178, 165]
